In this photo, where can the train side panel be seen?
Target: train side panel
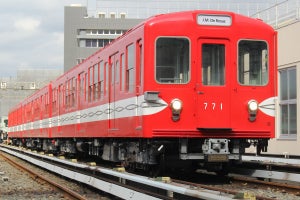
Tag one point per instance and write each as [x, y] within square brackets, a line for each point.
[96, 99]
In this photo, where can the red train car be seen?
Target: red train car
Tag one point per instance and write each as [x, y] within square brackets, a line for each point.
[188, 87]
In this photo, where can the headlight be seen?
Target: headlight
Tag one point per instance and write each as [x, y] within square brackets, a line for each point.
[252, 105]
[252, 110]
[176, 105]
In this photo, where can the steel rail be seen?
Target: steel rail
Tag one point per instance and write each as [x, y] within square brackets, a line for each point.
[233, 192]
[66, 191]
[118, 189]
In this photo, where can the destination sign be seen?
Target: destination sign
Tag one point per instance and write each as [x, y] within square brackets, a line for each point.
[214, 20]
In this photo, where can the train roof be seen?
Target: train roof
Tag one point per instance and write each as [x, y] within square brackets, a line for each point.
[190, 17]
[236, 20]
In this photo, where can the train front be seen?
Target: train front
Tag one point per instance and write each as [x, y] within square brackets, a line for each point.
[215, 75]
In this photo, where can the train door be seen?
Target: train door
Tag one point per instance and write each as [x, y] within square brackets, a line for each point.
[80, 100]
[113, 86]
[213, 85]
[139, 82]
[60, 107]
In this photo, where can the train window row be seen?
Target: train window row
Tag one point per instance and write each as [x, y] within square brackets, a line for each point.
[118, 72]
[173, 62]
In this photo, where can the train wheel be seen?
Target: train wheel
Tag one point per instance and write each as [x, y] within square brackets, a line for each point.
[224, 170]
[158, 169]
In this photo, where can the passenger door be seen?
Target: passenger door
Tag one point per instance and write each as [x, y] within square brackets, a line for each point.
[213, 85]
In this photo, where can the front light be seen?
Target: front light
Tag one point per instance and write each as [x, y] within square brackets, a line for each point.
[252, 106]
[176, 105]
[252, 109]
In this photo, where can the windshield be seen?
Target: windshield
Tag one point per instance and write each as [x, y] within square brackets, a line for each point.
[253, 62]
[172, 60]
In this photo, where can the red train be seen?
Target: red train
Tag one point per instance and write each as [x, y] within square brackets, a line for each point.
[181, 88]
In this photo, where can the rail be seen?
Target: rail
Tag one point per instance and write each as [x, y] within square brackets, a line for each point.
[121, 188]
[69, 193]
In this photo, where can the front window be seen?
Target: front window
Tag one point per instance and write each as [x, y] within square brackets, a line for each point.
[172, 60]
[213, 64]
[253, 62]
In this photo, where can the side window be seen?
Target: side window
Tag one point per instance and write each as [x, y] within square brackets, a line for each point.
[90, 85]
[130, 72]
[81, 85]
[95, 82]
[86, 86]
[213, 64]
[253, 62]
[73, 92]
[172, 60]
[60, 98]
[101, 80]
[123, 69]
[106, 78]
[117, 72]
[54, 100]
[66, 93]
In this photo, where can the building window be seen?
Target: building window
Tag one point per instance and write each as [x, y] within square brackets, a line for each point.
[101, 32]
[287, 103]
[91, 43]
[79, 60]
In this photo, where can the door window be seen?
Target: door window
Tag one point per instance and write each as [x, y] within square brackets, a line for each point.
[213, 64]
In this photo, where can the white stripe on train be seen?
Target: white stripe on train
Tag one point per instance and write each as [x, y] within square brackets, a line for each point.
[134, 106]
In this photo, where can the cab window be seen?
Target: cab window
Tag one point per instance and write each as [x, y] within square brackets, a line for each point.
[172, 60]
[253, 62]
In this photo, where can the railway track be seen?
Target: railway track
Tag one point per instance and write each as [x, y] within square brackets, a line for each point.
[130, 186]
[121, 184]
[69, 194]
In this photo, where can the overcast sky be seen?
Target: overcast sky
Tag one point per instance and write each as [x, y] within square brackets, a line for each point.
[31, 31]
[31, 34]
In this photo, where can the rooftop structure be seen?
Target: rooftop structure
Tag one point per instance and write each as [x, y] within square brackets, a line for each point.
[85, 34]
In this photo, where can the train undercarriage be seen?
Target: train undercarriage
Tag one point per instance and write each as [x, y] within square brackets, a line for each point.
[211, 154]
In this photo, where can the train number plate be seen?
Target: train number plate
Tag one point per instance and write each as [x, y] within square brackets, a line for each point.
[217, 158]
